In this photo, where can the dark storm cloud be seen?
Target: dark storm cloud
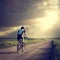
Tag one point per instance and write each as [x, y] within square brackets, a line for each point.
[14, 12]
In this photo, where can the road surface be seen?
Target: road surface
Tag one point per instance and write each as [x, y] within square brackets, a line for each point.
[37, 51]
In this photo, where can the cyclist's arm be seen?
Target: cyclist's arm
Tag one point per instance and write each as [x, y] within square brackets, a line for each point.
[24, 33]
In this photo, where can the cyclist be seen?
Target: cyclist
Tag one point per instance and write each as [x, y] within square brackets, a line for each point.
[20, 35]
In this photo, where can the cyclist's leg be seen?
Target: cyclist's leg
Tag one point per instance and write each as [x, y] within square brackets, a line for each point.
[18, 38]
[18, 47]
[18, 44]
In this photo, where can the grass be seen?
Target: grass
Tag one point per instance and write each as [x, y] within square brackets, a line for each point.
[13, 42]
[32, 41]
[7, 43]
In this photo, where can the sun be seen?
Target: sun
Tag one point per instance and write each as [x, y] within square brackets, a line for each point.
[48, 21]
[43, 26]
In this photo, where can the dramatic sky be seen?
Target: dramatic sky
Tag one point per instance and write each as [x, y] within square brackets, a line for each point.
[40, 17]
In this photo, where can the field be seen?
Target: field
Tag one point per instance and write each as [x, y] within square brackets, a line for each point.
[13, 42]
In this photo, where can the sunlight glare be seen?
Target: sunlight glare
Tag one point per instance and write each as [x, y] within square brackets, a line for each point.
[48, 21]
[8, 31]
[44, 25]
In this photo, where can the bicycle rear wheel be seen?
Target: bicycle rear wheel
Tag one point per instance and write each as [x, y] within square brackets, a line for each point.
[18, 48]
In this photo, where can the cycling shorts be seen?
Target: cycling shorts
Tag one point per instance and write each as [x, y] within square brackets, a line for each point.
[19, 37]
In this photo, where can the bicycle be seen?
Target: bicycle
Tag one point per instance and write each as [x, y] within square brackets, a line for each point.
[20, 46]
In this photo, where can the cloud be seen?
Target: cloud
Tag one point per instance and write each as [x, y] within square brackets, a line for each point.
[16, 12]
[24, 12]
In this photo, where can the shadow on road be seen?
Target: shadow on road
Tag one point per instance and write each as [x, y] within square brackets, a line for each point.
[8, 52]
[49, 53]
[42, 56]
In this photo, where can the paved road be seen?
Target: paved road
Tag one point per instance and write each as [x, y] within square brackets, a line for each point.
[37, 51]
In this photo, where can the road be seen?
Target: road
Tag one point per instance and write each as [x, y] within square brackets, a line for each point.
[36, 51]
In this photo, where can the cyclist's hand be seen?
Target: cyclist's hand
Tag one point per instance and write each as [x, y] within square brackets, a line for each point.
[25, 37]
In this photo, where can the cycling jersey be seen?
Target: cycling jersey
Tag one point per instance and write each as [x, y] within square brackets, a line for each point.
[21, 31]
[20, 34]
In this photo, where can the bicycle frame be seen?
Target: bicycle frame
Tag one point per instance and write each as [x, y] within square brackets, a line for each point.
[20, 46]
